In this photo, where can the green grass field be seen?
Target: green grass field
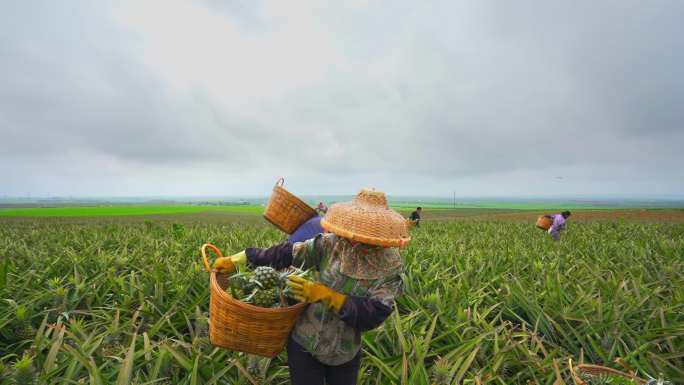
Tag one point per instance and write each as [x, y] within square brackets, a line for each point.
[440, 207]
[125, 210]
[142, 210]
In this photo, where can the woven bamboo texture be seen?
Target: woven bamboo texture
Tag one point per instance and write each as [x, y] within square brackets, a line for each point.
[242, 327]
[367, 219]
[544, 222]
[597, 370]
[285, 211]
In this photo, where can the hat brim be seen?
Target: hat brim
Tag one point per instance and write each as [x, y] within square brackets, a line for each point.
[384, 242]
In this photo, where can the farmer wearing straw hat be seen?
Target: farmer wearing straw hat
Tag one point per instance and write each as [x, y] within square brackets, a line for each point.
[358, 279]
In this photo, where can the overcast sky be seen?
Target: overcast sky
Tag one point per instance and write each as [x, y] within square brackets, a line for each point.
[217, 97]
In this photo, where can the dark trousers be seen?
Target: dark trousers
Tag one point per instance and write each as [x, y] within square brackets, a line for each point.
[306, 370]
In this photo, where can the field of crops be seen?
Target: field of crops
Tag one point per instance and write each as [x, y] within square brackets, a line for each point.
[485, 302]
[124, 210]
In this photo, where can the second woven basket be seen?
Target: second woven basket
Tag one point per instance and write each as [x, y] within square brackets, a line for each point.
[285, 211]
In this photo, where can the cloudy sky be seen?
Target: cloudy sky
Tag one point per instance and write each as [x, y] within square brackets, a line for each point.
[217, 97]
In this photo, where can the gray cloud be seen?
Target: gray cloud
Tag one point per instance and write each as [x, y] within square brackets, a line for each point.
[216, 98]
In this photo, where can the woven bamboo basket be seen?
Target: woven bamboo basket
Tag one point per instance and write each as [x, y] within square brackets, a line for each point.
[544, 222]
[242, 327]
[597, 370]
[285, 211]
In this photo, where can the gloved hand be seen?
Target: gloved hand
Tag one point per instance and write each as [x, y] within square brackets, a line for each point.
[309, 291]
[229, 264]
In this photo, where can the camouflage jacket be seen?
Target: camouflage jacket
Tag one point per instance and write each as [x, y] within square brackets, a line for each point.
[370, 277]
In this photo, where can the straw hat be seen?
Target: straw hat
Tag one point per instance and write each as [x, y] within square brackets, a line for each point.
[367, 219]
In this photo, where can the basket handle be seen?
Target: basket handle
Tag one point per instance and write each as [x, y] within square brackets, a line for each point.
[280, 182]
[203, 251]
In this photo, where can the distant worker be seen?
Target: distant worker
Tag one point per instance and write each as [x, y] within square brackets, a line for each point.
[415, 216]
[321, 208]
[558, 224]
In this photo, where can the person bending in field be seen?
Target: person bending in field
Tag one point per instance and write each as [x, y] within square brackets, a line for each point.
[415, 216]
[558, 224]
[358, 277]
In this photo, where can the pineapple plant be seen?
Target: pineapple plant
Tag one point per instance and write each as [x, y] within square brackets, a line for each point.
[24, 372]
[440, 372]
[23, 329]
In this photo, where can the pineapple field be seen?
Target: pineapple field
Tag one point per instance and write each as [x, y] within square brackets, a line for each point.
[485, 302]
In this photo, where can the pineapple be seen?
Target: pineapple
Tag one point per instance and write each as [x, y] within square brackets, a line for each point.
[604, 379]
[237, 293]
[265, 298]
[440, 372]
[267, 276]
[237, 286]
[607, 342]
[201, 323]
[240, 286]
[505, 370]
[257, 367]
[24, 372]
[23, 329]
[201, 337]
[112, 345]
[59, 296]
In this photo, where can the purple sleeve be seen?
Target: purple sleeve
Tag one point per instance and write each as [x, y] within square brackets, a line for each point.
[558, 223]
[364, 313]
[308, 230]
[278, 256]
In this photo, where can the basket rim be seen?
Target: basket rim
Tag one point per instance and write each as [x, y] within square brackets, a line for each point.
[282, 189]
[218, 290]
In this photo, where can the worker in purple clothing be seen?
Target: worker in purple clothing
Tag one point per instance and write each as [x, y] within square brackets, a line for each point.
[307, 230]
[558, 224]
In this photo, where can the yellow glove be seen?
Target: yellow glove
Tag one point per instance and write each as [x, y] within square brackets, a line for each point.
[308, 291]
[229, 264]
